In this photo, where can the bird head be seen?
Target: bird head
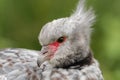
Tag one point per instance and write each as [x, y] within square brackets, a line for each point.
[66, 40]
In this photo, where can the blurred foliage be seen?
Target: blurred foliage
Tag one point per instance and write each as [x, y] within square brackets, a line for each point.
[21, 21]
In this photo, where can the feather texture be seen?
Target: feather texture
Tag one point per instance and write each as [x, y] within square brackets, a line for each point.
[20, 64]
[71, 58]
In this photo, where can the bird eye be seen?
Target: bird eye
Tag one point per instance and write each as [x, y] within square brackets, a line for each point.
[61, 39]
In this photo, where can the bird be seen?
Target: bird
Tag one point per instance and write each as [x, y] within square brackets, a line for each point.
[65, 52]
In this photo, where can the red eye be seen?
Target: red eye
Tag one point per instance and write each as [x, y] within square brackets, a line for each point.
[58, 41]
[61, 39]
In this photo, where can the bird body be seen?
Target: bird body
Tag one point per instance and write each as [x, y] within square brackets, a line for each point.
[20, 64]
[65, 53]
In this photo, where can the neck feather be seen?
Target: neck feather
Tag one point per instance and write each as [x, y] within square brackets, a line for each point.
[80, 63]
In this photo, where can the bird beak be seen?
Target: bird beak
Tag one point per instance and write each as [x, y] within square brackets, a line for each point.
[42, 56]
[44, 50]
[46, 54]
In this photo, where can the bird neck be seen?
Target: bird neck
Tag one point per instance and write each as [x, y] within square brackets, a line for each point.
[79, 64]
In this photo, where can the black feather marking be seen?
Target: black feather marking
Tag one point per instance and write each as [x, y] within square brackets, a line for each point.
[78, 64]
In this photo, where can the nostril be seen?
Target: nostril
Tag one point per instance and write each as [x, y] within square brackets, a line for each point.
[44, 52]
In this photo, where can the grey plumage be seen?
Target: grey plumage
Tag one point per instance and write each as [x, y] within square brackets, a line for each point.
[65, 53]
[77, 29]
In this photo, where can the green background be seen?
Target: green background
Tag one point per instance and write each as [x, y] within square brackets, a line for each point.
[21, 21]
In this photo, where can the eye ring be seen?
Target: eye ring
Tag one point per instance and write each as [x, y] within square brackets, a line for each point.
[61, 39]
